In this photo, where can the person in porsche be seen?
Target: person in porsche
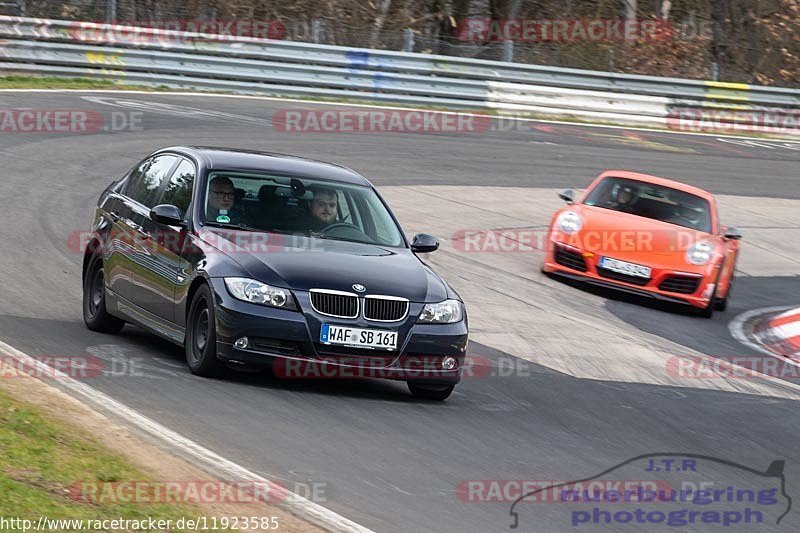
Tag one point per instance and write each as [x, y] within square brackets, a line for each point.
[645, 235]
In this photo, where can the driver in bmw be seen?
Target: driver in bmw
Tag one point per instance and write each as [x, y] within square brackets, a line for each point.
[324, 209]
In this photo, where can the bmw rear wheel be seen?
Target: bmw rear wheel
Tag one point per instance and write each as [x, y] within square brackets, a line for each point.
[95, 314]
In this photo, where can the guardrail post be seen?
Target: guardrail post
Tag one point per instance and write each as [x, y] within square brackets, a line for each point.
[315, 27]
[714, 71]
[508, 51]
[408, 40]
[22, 6]
[111, 11]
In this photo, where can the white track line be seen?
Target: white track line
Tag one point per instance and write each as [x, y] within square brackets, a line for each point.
[376, 106]
[790, 312]
[302, 507]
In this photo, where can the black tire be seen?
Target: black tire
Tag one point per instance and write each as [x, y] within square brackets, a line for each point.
[437, 393]
[201, 336]
[722, 303]
[707, 311]
[95, 314]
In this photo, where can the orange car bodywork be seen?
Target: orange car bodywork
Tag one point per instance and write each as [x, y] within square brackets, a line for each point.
[662, 246]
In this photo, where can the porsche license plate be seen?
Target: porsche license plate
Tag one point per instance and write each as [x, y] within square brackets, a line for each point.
[623, 267]
[357, 337]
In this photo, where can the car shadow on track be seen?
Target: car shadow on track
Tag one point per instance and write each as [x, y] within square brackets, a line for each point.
[489, 375]
[155, 358]
[265, 378]
[619, 296]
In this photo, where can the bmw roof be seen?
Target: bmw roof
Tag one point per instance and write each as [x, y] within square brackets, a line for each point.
[215, 158]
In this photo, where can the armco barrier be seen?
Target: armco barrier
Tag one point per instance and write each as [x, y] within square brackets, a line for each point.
[150, 57]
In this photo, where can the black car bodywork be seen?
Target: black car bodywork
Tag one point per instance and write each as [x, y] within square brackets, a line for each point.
[149, 263]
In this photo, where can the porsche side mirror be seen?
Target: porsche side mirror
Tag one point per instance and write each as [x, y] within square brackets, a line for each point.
[424, 243]
[733, 234]
[167, 214]
[568, 195]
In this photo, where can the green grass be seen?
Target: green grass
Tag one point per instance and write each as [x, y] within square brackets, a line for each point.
[41, 459]
[49, 82]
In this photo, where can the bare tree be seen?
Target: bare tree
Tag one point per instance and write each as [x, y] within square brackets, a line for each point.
[381, 10]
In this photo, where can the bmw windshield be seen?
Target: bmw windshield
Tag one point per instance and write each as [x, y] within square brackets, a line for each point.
[302, 206]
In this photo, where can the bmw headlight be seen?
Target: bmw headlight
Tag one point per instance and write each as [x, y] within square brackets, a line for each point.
[250, 290]
[446, 312]
[700, 253]
[569, 222]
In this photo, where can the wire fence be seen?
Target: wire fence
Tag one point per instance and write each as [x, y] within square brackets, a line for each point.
[686, 52]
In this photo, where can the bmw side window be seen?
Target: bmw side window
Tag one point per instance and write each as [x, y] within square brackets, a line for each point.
[135, 178]
[178, 191]
[146, 181]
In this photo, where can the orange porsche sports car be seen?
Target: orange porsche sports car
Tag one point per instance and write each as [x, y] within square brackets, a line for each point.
[645, 235]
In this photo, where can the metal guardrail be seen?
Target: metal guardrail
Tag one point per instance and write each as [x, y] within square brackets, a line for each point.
[241, 64]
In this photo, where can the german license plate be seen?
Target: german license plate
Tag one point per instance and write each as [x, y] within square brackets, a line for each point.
[623, 267]
[357, 337]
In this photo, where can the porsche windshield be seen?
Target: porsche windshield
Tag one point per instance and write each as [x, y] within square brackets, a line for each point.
[304, 206]
[652, 201]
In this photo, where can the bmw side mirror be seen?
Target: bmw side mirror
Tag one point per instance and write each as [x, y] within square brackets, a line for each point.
[733, 234]
[167, 214]
[568, 195]
[424, 243]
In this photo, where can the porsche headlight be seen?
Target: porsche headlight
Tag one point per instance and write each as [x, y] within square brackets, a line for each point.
[700, 253]
[250, 290]
[569, 222]
[446, 312]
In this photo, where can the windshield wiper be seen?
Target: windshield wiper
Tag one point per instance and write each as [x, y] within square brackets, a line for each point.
[229, 225]
[331, 238]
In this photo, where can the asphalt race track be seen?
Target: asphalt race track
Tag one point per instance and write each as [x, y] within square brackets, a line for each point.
[590, 389]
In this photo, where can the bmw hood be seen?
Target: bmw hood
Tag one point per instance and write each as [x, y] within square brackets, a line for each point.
[301, 263]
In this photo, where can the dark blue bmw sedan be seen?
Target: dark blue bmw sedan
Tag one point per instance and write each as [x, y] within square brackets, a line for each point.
[250, 259]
